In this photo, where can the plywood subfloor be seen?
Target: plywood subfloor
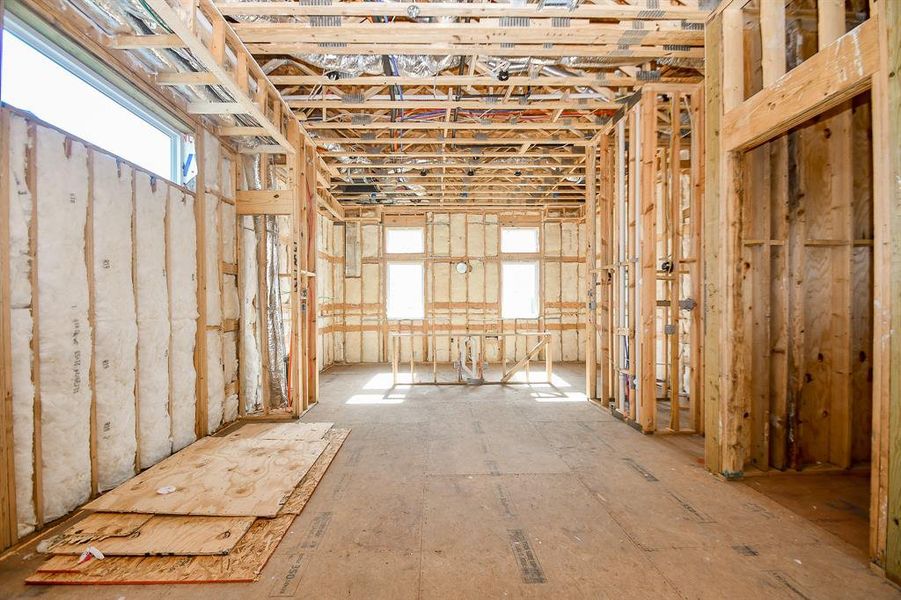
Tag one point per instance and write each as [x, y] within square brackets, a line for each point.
[517, 492]
[837, 502]
[218, 477]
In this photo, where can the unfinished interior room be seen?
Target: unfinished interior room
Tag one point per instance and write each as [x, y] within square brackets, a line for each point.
[432, 299]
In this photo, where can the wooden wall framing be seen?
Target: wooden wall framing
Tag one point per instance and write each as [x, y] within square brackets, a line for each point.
[459, 303]
[757, 96]
[651, 245]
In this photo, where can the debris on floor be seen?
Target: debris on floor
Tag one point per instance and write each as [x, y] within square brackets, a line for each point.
[229, 502]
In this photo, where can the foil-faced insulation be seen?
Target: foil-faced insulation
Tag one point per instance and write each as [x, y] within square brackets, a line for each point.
[275, 327]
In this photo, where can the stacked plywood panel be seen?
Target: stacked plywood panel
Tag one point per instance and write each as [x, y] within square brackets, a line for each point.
[213, 512]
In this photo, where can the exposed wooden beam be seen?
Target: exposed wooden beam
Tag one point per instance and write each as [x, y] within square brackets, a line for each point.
[463, 33]
[429, 125]
[612, 52]
[453, 9]
[440, 103]
[471, 80]
[213, 62]
[488, 141]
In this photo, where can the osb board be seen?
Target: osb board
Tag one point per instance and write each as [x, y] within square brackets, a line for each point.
[165, 535]
[218, 477]
[302, 493]
[309, 432]
[99, 526]
[243, 563]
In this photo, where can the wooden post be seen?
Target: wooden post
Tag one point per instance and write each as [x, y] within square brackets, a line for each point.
[298, 262]
[201, 422]
[8, 514]
[675, 151]
[38, 439]
[830, 27]
[312, 248]
[591, 330]
[92, 322]
[885, 520]
[713, 239]
[647, 283]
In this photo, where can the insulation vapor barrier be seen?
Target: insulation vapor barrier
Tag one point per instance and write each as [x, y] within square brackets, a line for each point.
[182, 237]
[153, 320]
[65, 334]
[116, 332]
[20, 208]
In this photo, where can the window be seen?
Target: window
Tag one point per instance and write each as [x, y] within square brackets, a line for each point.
[519, 239]
[519, 279]
[41, 78]
[519, 296]
[406, 290]
[404, 240]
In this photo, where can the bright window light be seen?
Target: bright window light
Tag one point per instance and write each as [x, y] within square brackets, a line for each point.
[406, 291]
[44, 82]
[519, 239]
[404, 240]
[519, 296]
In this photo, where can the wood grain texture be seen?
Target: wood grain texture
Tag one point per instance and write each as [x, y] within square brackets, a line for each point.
[243, 563]
[218, 477]
[99, 526]
[165, 535]
[308, 432]
[304, 491]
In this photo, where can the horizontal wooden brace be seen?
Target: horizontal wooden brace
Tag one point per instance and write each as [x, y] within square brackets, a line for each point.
[608, 51]
[463, 33]
[438, 103]
[454, 9]
[834, 74]
[264, 202]
[445, 81]
[497, 141]
[441, 125]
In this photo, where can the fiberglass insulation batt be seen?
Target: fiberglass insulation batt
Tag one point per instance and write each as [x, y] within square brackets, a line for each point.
[183, 314]
[215, 367]
[65, 335]
[153, 319]
[251, 365]
[115, 328]
[20, 206]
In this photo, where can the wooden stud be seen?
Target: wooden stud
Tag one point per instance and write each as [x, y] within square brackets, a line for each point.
[591, 276]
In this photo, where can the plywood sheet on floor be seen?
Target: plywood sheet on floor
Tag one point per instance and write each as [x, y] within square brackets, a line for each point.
[218, 477]
[242, 563]
[98, 526]
[166, 535]
[309, 432]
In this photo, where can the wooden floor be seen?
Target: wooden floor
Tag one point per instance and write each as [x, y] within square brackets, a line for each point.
[518, 492]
